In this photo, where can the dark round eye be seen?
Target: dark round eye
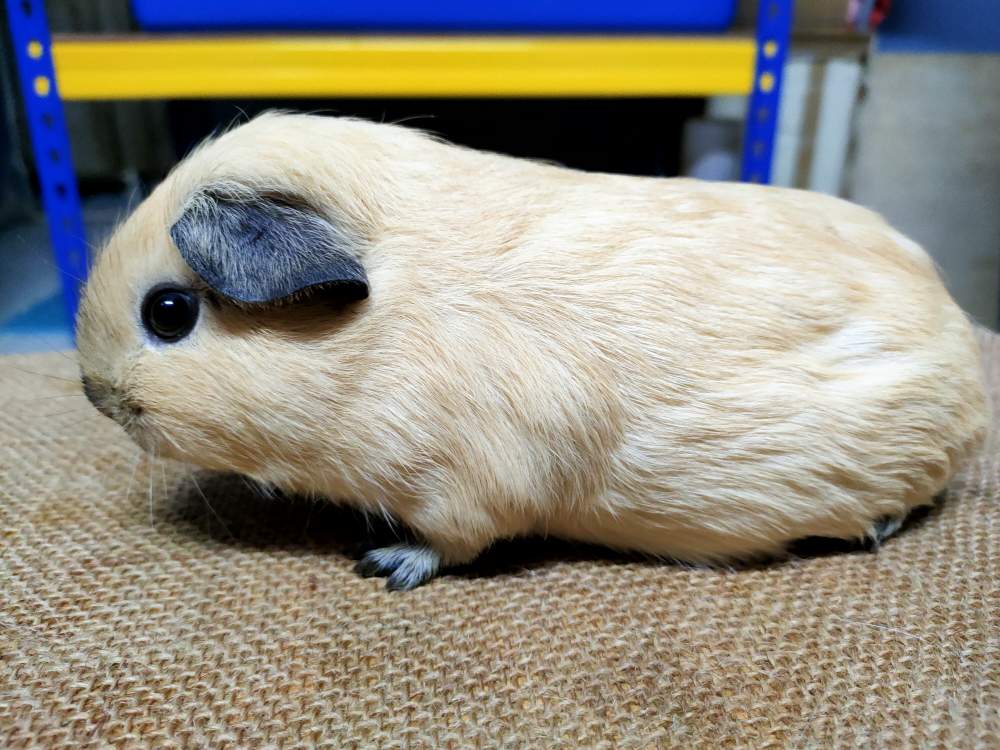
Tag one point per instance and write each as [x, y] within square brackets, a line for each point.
[169, 313]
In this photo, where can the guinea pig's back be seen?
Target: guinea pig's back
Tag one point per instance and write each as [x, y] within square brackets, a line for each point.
[784, 364]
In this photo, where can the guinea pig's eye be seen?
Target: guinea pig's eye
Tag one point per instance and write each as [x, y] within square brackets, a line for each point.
[169, 313]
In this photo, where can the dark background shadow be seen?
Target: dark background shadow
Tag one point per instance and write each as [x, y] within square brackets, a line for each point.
[630, 135]
[229, 509]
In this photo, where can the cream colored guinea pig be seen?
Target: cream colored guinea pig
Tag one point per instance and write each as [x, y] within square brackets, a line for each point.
[484, 347]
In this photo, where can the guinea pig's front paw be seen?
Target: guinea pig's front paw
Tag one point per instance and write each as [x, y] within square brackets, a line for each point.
[406, 565]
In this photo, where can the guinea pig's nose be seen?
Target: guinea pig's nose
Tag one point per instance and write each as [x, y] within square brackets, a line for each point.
[98, 393]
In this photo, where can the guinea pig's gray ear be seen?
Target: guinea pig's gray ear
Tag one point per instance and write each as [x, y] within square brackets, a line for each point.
[257, 250]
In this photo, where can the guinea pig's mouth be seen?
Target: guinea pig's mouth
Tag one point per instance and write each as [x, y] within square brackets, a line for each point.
[109, 402]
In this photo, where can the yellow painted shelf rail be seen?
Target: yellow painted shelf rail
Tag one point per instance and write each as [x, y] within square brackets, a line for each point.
[163, 67]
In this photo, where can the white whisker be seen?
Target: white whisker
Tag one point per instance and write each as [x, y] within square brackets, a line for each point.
[45, 398]
[135, 467]
[166, 437]
[163, 476]
[54, 342]
[309, 516]
[258, 489]
[152, 521]
[46, 375]
[209, 506]
[89, 419]
[63, 271]
[77, 410]
[250, 486]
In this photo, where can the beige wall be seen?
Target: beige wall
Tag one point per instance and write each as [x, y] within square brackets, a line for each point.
[928, 157]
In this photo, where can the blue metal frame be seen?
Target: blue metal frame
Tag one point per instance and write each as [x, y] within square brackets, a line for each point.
[50, 140]
[774, 27]
[29, 32]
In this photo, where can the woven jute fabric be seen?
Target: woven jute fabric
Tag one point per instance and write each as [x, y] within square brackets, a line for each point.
[145, 605]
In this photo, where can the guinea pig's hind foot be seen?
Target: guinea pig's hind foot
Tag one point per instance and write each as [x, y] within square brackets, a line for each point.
[885, 528]
[405, 565]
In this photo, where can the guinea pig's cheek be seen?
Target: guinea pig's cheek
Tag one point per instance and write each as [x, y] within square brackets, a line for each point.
[157, 388]
[185, 415]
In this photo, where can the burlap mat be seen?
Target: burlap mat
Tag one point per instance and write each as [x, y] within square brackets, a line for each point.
[134, 615]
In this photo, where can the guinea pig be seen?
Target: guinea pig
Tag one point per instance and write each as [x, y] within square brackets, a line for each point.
[483, 347]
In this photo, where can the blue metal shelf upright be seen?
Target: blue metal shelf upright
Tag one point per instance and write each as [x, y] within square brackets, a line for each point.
[32, 43]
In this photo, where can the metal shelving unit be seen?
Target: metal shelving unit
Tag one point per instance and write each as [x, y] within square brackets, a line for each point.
[160, 67]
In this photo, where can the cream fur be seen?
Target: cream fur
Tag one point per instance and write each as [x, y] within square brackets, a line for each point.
[694, 370]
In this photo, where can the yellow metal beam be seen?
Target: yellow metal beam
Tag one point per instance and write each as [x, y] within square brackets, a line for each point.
[143, 67]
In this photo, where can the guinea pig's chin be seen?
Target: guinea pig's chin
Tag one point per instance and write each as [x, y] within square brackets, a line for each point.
[149, 438]
[145, 438]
